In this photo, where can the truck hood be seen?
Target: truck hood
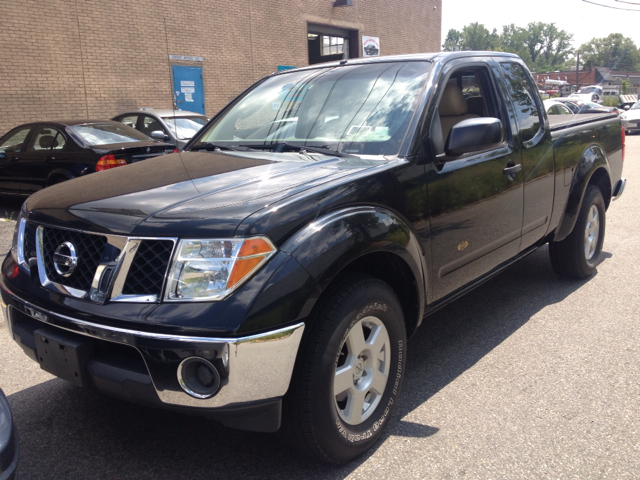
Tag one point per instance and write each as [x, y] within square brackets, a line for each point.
[188, 193]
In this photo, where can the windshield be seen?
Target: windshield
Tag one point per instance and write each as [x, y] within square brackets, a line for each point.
[636, 106]
[352, 109]
[187, 127]
[589, 90]
[96, 134]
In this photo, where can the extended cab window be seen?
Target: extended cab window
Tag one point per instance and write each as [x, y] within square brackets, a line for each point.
[524, 101]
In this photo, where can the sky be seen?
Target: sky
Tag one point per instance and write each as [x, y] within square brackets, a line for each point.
[585, 21]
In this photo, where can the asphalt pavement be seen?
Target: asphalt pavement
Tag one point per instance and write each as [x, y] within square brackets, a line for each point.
[529, 376]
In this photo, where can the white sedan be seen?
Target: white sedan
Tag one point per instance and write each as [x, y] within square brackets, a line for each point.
[631, 118]
[553, 107]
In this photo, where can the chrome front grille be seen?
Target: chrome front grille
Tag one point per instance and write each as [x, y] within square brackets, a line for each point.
[108, 267]
[147, 272]
[89, 249]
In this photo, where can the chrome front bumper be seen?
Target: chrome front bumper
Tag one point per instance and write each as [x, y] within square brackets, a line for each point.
[259, 367]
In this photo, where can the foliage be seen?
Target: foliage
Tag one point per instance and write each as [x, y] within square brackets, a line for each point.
[625, 87]
[542, 46]
[474, 36]
[615, 52]
[610, 101]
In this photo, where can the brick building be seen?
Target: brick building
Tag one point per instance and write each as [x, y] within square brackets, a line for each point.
[96, 58]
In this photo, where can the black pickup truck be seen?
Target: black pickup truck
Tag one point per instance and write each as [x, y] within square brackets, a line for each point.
[271, 273]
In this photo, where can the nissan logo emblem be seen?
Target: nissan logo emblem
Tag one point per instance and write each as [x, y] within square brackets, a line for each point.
[65, 259]
[148, 149]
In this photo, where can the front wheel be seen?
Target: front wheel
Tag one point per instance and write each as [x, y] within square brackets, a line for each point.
[347, 382]
[577, 255]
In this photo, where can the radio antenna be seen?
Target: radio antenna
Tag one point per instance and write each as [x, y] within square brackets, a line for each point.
[173, 94]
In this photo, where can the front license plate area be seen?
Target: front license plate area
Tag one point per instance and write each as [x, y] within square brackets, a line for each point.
[63, 355]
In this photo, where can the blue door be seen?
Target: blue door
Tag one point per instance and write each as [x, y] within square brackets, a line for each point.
[188, 89]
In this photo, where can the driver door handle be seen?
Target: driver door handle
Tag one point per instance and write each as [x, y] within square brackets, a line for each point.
[13, 159]
[512, 170]
[50, 158]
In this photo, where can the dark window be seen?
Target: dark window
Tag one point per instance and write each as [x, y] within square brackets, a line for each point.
[523, 99]
[150, 124]
[45, 139]
[130, 120]
[15, 141]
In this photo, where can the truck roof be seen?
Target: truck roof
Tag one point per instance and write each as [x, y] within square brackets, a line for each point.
[410, 57]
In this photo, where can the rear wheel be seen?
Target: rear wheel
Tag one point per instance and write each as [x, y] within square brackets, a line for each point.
[348, 379]
[577, 255]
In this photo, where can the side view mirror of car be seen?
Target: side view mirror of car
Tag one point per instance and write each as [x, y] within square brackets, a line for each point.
[159, 135]
[474, 134]
[627, 107]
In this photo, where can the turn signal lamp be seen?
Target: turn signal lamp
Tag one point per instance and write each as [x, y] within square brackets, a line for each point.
[206, 270]
[109, 161]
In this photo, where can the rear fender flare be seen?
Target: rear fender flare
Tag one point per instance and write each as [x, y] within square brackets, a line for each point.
[329, 244]
[592, 159]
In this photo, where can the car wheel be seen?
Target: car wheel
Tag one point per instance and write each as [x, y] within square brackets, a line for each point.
[348, 378]
[577, 255]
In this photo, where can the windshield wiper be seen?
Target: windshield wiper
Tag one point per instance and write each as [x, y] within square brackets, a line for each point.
[322, 149]
[218, 147]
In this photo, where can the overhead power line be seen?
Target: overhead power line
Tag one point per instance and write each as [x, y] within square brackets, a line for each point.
[615, 8]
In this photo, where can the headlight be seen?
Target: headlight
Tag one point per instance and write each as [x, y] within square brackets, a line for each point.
[212, 269]
[17, 245]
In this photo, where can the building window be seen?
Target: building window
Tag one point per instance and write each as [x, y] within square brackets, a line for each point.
[332, 45]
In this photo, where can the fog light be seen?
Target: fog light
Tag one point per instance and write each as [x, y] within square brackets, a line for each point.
[198, 377]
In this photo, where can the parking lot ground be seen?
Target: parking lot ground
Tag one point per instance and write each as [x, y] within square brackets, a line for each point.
[529, 376]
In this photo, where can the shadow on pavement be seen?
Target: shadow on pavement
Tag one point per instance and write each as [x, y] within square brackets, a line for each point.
[68, 432]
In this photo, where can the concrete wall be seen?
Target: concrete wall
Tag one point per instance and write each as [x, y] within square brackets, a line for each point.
[96, 58]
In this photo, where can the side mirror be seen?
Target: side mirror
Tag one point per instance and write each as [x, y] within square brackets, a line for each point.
[159, 135]
[627, 107]
[474, 134]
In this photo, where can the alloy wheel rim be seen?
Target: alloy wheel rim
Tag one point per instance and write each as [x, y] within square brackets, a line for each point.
[362, 371]
[591, 232]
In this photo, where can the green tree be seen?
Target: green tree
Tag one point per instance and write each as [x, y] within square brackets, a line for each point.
[548, 47]
[615, 52]
[474, 36]
[542, 46]
[453, 41]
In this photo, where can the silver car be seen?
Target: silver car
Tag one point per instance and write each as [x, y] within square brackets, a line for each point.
[631, 118]
[174, 127]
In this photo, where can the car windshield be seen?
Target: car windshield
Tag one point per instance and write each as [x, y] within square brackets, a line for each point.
[185, 127]
[351, 109]
[636, 106]
[588, 90]
[96, 134]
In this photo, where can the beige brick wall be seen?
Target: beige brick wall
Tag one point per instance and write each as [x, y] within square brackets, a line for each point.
[96, 58]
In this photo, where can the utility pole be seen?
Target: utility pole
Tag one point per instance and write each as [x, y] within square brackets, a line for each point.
[578, 68]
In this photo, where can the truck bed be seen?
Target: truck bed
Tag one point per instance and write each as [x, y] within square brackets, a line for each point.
[563, 122]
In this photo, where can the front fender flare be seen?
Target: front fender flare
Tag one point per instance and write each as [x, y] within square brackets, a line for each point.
[591, 160]
[326, 246]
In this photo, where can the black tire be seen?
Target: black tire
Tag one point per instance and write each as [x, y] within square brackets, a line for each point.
[314, 418]
[571, 257]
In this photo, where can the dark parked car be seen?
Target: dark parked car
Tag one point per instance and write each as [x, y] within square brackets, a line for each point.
[8, 441]
[37, 155]
[172, 126]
